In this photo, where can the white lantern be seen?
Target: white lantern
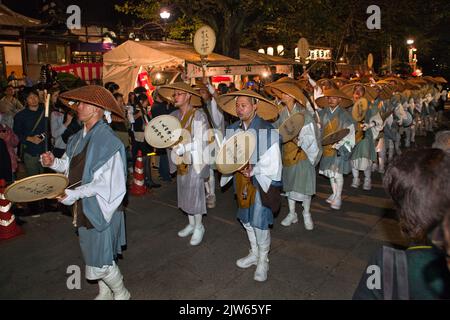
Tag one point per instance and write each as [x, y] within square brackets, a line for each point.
[270, 51]
[280, 50]
[261, 51]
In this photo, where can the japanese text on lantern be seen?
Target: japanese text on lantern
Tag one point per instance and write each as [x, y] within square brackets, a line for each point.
[205, 41]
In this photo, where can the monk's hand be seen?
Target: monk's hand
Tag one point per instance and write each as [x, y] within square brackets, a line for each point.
[247, 171]
[47, 159]
[69, 197]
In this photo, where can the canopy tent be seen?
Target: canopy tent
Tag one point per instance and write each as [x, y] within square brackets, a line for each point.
[123, 64]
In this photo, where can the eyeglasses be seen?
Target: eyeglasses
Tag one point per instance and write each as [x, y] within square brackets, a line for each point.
[178, 94]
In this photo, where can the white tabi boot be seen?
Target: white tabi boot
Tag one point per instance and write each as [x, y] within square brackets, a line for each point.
[114, 281]
[334, 188]
[309, 225]
[189, 229]
[199, 230]
[105, 292]
[367, 179]
[391, 151]
[252, 258]
[263, 240]
[210, 191]
[292, 215]
[355, 182]
[397, 145]
[408, 137]
[337, 202]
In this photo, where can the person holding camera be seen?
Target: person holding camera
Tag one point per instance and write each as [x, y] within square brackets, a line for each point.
[29, 126]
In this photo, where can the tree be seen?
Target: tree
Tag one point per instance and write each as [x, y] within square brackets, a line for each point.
[226, 17]
[338, 24]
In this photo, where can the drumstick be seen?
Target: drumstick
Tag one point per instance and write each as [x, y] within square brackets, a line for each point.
[73, 185]
[64, 194]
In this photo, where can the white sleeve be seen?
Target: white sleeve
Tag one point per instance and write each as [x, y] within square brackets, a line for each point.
[376, 125]
[308, 142]
[349, 140]
[57, 125]
[108, 186]
[217, 115]
[224, 179]
[61, 164]
[199, 128]
[268, 167]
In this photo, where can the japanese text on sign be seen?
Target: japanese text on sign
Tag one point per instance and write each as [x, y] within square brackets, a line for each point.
[320, 54]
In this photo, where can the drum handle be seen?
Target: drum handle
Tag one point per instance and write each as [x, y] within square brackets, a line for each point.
[73, 185]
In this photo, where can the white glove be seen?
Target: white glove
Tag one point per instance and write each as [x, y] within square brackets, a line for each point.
[179, 149]
[366, 126]
[72, 196]
[211, 88]
[338, 145]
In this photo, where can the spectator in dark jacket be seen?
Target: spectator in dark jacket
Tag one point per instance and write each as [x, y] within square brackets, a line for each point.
[419, 182]
[161, 107]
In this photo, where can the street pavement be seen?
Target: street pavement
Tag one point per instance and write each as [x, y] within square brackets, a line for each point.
[325, 263]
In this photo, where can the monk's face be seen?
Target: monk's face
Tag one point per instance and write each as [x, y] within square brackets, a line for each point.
[287, 99]
[245, 108]
[334, 101]
[87, 111]
[181, 98]
[358, 93]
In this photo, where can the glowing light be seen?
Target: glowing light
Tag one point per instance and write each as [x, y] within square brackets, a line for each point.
[280, 50]
[164, 14]
[261, 51]
[270, 51]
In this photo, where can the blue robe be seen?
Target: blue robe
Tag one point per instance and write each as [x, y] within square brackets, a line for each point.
[104, 242]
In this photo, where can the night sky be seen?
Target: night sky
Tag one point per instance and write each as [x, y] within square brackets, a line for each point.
[92, 11]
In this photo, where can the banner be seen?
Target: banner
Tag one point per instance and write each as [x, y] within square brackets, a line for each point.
[194, 71]
[86, 71]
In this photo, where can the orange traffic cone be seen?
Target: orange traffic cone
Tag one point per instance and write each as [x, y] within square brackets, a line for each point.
[138, 188]
[8, 227]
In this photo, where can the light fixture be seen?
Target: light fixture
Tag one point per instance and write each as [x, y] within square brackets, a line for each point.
[280, 50]
[410, 41]
[158, 76]
[164, 14]
[265, 74]
[261, 51]
[270, 51]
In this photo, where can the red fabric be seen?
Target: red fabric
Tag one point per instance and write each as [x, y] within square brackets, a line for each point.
[79, 69]
[11, 142]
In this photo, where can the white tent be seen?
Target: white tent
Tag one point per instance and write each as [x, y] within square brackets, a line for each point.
[123, 64]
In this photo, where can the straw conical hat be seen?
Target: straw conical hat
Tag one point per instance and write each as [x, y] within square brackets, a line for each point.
[94, 95]
[369, 92]
[268, 88]
[265, 108]
[323, 101]
[359, 109]
[167, 91]
[440, 80]
[290, 89]
[430, 79]
[385, 91]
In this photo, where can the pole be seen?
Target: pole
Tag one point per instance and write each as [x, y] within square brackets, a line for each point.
[46, 116]
[390, 58]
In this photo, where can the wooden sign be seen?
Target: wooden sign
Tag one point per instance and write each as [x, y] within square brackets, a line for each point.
[303, 48]
[370, 60]
[204, 40]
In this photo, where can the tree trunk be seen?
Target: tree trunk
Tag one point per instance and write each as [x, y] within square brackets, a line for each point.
[229, 36]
